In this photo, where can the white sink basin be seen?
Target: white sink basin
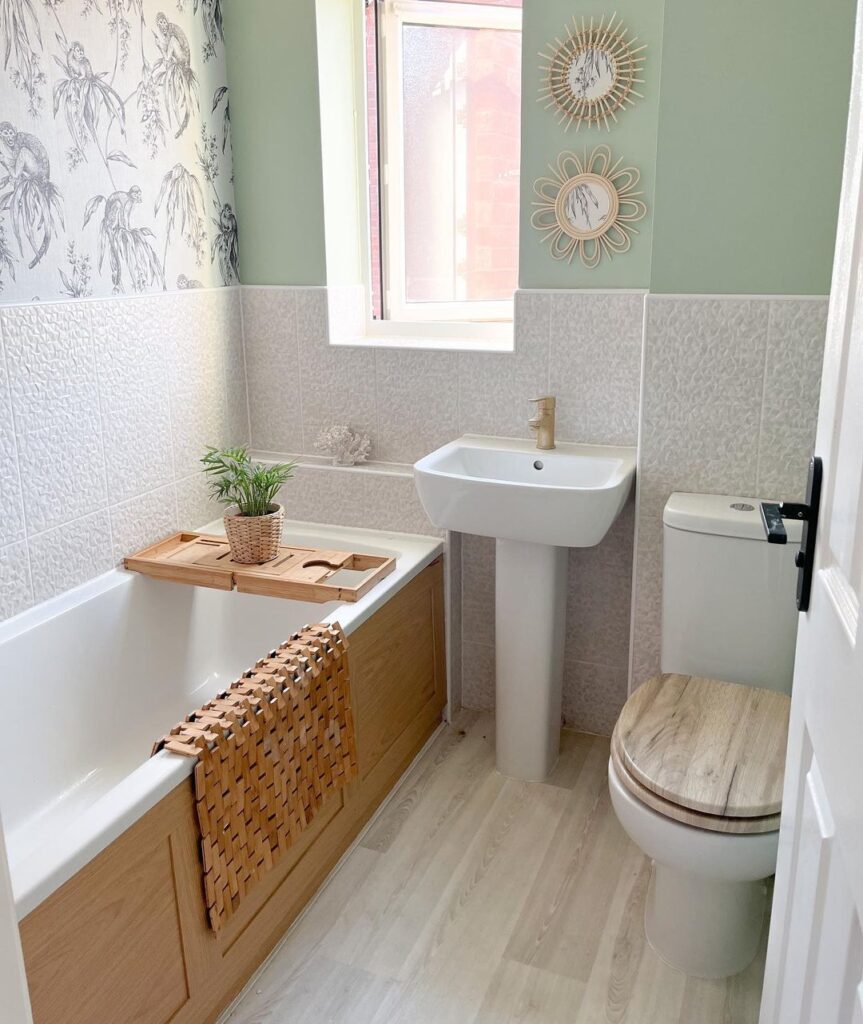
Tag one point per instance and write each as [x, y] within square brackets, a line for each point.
[503, 488]
[535, 504]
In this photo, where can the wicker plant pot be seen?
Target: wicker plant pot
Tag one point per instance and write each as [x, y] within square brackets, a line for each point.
[254, 539]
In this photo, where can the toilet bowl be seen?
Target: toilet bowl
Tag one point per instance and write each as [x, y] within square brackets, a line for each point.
[707, 896]
[697, 755]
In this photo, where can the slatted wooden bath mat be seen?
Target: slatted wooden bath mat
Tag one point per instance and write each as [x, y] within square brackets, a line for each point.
[271, 749]
[301, 574]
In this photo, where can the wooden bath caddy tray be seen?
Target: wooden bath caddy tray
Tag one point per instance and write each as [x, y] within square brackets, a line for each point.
[301, 574]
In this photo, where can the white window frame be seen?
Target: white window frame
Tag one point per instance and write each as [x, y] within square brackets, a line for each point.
[398, 311]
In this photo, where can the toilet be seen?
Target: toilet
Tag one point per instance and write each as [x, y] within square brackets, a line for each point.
[697, 754]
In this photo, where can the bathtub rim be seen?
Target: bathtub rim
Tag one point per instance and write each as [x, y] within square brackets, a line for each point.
[42, 872]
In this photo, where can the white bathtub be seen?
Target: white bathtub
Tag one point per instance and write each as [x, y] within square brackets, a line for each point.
[91, 679]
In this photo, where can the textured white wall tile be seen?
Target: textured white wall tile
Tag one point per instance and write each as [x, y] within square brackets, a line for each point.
[417, 398]
[194, 339]
[235, 369]
[143, 520]
[55, 400]
[593, 696]
[647, 601]
[11, 504]
[595, 365]
[478, 576]
[339, 383]
[272, 364]
[70, 555]
[703, 385]
[477, 676]
[356, 497]
[138, 444]
[598, 610]
[62, 461]
[129, 336]
[195, 507]
[16, 592]
[792, 383]
[131, 341]
[49, 351]
[85, 411]
[495, 389]
[198, 419]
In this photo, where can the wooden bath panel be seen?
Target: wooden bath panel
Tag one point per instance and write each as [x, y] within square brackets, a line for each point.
[108, 945]
[127, 938]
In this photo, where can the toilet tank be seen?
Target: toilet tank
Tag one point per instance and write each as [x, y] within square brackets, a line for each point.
[728, 597]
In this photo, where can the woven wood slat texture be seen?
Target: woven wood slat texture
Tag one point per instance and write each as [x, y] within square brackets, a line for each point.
[271, 749]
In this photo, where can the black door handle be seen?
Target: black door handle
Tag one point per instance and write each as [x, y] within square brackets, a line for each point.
[772, 515]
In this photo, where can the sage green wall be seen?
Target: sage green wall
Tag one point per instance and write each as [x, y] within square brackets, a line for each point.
[751, 136]
[273, 80]
[542, 139]
[741, 131]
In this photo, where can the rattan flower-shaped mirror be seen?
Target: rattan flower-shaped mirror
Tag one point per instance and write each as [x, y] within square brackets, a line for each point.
[592, 73]
[588, 206]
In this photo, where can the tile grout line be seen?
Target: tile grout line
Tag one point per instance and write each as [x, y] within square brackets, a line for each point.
[639, 457]
[245, 363]
[296, 302]
[169, 394]
[764, 366]
[107, 508]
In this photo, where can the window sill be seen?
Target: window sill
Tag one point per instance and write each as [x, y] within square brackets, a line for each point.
[501, 341]
[427, 344]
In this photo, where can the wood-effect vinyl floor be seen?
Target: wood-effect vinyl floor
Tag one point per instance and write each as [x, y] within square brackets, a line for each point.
[476, 899]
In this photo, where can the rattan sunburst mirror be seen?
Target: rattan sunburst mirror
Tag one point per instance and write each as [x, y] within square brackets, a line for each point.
[588, 206]
[593, 73]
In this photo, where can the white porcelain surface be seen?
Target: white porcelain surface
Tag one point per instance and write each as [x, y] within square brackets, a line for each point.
[705, 910]
[535, 504]
[705, 928]
[530, 615]
[80, 788]
[727, 613]
[505, 488]
[735, 618]
[597, 627]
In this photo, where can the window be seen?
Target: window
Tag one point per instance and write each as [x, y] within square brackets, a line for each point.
[443, 103]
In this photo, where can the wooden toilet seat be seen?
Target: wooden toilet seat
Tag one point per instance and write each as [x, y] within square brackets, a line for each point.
[704, 752]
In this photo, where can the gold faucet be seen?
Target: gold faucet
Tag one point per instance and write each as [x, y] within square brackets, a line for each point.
[543, 422]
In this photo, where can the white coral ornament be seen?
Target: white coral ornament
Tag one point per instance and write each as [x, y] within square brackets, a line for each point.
[347, 447]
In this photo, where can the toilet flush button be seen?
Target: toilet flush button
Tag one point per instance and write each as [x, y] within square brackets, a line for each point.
[742, 506]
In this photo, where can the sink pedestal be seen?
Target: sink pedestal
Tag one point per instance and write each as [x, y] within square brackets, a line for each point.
[537, 505]
[530, 623]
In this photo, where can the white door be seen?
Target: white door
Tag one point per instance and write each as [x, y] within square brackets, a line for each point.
[815, 955]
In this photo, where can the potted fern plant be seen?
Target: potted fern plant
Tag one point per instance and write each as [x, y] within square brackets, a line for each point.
[253, 521]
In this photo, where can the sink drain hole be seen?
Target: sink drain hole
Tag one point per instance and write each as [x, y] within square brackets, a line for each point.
[539, 464]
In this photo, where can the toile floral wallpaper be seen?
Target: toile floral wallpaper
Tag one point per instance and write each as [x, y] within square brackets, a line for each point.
[115, 148]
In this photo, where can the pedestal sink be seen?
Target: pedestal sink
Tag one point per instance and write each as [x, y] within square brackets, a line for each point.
[536, 504]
